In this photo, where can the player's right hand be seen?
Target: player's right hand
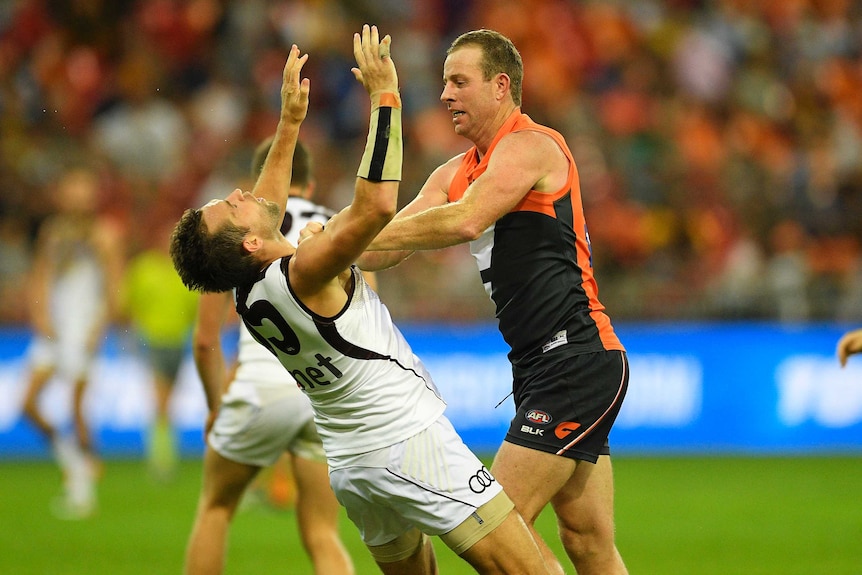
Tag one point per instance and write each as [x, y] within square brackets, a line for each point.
[310, 229]
[375, 69]
[849, 344]
[294, 91]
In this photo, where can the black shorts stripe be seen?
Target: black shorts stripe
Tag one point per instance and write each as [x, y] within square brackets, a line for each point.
[609, 412]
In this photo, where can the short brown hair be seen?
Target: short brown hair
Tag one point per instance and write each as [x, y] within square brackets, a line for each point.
[498, 55]
[211, 262]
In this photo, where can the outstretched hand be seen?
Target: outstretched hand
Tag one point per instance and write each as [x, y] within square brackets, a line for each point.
[294, 91]
[375, 69]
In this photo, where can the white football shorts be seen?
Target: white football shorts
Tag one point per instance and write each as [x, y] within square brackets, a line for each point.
[68, 356]
[431, 482]
[256, 424]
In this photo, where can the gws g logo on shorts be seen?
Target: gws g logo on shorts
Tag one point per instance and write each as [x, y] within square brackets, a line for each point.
[481, 481]
[538, 416]
[565, 428]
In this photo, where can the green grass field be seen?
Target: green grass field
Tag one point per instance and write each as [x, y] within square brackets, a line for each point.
[686, 516]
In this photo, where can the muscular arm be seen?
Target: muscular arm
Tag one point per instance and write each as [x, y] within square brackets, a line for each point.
[522, 161]
[321, 258]
[324, 257]
[432, 194]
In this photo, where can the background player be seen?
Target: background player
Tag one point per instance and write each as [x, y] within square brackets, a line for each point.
[75, 278]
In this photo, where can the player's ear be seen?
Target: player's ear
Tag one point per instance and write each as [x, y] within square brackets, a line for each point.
[502, 83]
[252, 243]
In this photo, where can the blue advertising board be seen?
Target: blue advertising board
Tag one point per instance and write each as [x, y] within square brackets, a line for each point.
[759, 388]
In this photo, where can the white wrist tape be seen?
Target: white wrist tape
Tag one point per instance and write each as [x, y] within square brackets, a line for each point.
[383, 149]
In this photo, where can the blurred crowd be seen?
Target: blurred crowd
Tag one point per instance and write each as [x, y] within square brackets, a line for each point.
[719, 143]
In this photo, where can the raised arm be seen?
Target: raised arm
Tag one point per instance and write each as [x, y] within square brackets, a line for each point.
[323, 256]
[274, 180]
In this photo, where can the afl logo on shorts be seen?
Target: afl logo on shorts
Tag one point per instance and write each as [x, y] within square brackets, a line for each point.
[481, 481]
[539, 417]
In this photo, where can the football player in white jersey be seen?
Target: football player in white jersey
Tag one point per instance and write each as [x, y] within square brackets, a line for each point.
[76, 273]
[396, 463]
[258, 414]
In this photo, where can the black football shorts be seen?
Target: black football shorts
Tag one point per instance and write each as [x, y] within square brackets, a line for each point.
[568, 405]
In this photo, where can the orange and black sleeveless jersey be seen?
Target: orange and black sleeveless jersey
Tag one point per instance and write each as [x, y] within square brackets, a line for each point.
[535, 263]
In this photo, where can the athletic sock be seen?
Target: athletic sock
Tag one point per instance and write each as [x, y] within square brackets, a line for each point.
[64, 449]
[79, 482]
